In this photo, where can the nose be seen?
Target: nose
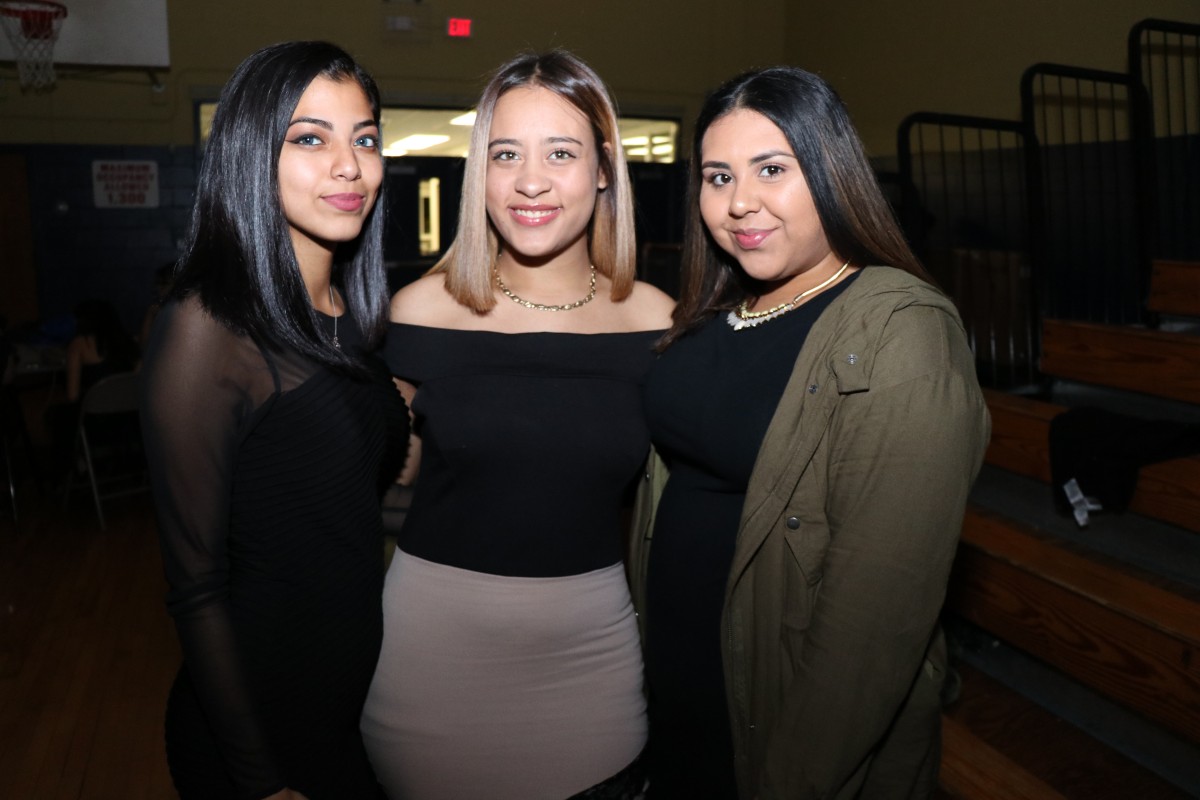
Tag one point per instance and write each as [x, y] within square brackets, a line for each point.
[345, 163]
[531, 180]
[743, 200]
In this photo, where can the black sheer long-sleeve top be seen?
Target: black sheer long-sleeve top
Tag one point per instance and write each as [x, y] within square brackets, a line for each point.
[266, 471]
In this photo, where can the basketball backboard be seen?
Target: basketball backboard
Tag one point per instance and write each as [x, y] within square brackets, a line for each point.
[114, 33]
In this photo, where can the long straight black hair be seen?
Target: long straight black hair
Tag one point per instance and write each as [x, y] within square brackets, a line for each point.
[239, 257]
[856, 217]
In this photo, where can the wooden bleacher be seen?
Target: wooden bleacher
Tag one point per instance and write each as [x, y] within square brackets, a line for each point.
[1000, 745]
[972, 768]
[1175, 288]
[1131, 636]
[1161, 363]
[1126, 634]
[1168, 491]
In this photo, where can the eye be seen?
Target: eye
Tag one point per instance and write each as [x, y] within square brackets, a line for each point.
[717, 179]
[770, 171]
[307, 139]
[504, 155]
[561, 155]
[367, 141]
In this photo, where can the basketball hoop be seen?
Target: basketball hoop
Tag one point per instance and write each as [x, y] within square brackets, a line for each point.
[32, 28]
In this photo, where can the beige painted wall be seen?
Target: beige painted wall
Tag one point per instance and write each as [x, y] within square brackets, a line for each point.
[888, 60]
[657, 57]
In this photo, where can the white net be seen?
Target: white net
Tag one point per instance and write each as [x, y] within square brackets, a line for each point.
[32, 29]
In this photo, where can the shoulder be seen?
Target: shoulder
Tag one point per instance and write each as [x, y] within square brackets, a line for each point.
[77, 346]
[887, 297]
[901, 325]
[647, 308]
[892, 285]
[186, 333]
[188, 316]
[426, 302]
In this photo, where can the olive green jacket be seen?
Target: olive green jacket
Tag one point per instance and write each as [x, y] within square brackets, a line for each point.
[832, 653]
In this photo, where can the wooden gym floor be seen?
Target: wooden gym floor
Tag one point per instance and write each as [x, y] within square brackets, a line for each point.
[87, 655]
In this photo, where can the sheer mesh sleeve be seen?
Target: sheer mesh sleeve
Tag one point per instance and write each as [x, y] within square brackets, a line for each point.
[202, 385]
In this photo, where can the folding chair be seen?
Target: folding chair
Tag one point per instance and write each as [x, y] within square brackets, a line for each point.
[108, 437]
[13, 434]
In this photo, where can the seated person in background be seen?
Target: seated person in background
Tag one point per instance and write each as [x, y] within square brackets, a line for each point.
[162, 285]
[8, 358]
[99, 348]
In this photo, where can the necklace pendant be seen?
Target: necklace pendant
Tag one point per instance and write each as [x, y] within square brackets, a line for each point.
[336, 343]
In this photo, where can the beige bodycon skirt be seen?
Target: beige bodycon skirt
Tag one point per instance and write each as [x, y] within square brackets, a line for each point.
[500, 687]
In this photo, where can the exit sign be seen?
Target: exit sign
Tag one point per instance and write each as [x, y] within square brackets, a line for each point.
[459, 27]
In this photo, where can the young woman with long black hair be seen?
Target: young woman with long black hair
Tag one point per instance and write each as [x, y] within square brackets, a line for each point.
[270, 432]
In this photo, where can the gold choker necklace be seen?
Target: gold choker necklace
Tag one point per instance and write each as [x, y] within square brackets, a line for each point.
[742, 317]
[542, 306]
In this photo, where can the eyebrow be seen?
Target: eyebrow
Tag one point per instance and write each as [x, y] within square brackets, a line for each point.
[758, 159]
[320, 123]
[773, 154]
[551, 140]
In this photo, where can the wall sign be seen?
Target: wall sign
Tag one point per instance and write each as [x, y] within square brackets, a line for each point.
[125, 184]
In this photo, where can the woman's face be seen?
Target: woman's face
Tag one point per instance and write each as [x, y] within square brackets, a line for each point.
[330, 168]
[543, 174]
[755, 200]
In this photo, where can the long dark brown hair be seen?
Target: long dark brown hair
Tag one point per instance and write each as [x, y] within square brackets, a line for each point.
[856, 217]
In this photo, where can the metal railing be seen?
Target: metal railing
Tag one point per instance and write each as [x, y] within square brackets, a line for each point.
[1088, 176]
[964, 203]
[1164, 57]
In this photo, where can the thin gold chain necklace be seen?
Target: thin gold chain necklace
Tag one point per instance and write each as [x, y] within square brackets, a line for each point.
[742, 317]
[542, 306]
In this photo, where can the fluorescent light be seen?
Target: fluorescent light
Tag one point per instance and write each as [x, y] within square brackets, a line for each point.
[636, 140]
[637, 151]
[466, 120]
[420, 141]
[662, 149]
[394, 152]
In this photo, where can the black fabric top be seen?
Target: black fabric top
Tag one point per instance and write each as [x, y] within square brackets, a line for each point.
[528, 444]
[709, 401]
[266, 473]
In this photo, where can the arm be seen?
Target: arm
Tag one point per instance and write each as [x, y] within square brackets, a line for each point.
[647, 308]
[195, 394]
[412, 461]
[74, 369]
[424, 302]
[901, 460]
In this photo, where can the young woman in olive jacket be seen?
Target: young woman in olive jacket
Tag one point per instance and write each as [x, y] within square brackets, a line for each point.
[822, 424]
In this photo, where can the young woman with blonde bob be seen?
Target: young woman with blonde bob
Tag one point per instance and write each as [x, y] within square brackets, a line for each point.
[510, 665]
[817, 407]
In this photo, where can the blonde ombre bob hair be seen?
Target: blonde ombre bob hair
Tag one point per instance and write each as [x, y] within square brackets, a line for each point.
[470, 259]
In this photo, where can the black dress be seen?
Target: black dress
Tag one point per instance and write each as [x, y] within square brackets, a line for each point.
[266, 471]
[709, 401]
[510, 667]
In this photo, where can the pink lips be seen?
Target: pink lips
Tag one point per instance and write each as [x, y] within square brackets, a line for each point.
[751, 238]
[345, 202]
[533, 215]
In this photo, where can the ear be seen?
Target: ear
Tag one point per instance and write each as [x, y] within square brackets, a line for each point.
[601, 179]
